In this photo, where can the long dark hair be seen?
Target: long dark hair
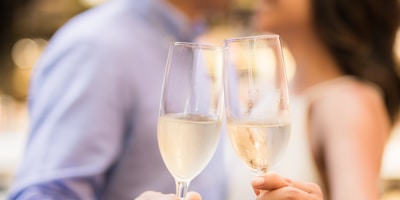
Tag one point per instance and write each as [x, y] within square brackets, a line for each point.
[361, 35]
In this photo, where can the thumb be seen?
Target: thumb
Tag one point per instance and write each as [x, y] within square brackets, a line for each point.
[269, 182]
[193, 196]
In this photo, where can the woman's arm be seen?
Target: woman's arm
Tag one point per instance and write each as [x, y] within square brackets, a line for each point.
[353, 127]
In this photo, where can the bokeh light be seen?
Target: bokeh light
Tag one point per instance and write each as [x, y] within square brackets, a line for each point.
[26, 52]
[92, 3]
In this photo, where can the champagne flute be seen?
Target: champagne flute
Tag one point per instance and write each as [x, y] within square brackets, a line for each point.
[190, 112]
[256, 100]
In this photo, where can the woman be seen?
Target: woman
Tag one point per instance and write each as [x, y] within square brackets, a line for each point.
[345, 91]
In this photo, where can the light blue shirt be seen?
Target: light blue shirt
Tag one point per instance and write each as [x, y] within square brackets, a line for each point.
[94, 103]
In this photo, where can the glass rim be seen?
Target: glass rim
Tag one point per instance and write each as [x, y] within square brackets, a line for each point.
[265, 36]
[197, 45]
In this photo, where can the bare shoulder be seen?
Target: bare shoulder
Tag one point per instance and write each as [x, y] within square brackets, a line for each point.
[356, 98]
[351, 107]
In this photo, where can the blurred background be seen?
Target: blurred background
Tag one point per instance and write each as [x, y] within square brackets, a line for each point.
[27, 25]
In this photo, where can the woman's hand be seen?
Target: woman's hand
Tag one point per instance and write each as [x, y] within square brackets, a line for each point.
[151, 195]
[275, 187]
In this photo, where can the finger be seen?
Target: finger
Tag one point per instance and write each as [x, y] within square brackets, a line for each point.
[310, 188]
[269, 182]
[152, 195]
[286, 193]
[193, 196]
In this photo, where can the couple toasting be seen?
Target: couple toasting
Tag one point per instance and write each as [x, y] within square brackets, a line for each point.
[95, 96]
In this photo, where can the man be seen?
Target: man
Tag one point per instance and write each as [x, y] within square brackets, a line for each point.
[94, 103]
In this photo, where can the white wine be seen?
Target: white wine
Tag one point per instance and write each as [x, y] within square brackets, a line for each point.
[187, 143]
[259, 145]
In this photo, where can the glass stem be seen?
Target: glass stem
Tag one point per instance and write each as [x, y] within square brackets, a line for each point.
[181, 189]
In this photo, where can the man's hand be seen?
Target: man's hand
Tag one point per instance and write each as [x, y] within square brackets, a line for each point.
[152, 195]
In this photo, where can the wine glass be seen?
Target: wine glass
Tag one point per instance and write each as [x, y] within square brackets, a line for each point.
[190, 110]
[256, 100]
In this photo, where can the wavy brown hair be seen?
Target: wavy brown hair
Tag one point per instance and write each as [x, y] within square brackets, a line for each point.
[361, 35]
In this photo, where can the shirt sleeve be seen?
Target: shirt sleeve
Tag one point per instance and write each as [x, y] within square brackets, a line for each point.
[56, 190]
[77, 125]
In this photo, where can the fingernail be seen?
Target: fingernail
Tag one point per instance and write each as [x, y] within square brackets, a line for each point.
[257, 181]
